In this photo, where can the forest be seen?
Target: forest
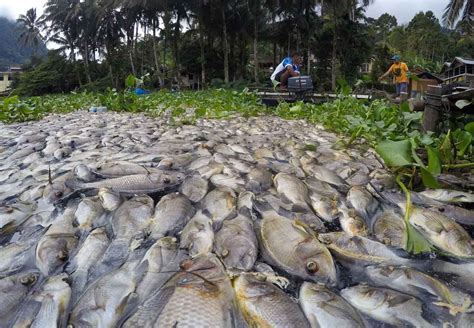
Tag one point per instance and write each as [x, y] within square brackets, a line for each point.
[226, 43]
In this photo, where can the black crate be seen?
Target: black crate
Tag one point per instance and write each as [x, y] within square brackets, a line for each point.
[300, 83]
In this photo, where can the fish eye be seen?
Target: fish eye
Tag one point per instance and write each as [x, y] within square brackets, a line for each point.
[224, 253]
[312, 267]
[58, 193]
[166, 180]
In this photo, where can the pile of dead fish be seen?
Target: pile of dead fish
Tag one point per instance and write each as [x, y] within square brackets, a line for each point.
[112, 220]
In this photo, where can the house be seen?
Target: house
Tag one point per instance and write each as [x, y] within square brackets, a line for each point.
[460, 70]
[367, 67]
[6, 78]
[419, 85]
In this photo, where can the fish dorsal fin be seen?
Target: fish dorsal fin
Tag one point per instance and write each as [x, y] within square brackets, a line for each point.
[397, 300]
[303, 227]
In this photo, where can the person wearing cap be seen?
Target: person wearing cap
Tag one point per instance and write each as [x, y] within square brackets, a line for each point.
[289, 67]
[399, 71]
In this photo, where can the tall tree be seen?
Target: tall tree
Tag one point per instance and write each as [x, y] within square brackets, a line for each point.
[31, 26]
[456, 8]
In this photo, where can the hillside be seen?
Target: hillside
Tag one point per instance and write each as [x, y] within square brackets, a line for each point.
[11, 51]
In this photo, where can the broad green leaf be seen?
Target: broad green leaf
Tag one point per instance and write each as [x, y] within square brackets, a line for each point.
[469, 127]
[296, 108]
[416, 243]
[130, 81]
[434, 161]
[404, 107]
[395, 153]
[462, 140]
[429, 181]
[414, 147]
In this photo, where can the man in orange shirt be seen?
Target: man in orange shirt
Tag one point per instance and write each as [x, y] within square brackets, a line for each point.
[399, 70]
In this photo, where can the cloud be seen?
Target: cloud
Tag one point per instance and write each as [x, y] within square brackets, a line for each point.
[14, 8]
[5, 11]
[404, 10]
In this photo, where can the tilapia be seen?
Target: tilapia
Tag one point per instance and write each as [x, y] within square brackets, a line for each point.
[200, 295]
[88, 214]
[54, 247]
[89, 253]
[106, 300]
[413, 282]
[386, 305]
[198, 235]
[110, 201]
[171, 214]
[352, 223]
[265, 305]
[195, 188]
[13, 290]
[362, 201]
[390, 228]
[449, 196]
[54, 298]
[129, 220]
[355, 249]
[258, 180]
[293, 190]
[220, 203]
[13, 215]
[227, 181]
[326, 309]
[236, 243]
[325, 175]
[299, 253]
[442, 232]
[159, 263]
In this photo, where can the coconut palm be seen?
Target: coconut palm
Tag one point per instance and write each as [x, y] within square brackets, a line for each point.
[456, 8]
[31, 26]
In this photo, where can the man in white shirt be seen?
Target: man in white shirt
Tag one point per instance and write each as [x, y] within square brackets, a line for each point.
[289, 67]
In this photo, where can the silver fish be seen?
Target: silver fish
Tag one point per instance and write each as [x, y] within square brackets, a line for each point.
[326, 309]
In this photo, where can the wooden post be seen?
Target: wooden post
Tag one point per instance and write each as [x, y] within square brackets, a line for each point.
[430, 118]
[416, 105]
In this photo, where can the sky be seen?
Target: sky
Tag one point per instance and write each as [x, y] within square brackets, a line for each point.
[404, 10]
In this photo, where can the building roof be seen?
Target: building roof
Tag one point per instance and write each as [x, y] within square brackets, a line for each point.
[465, 61]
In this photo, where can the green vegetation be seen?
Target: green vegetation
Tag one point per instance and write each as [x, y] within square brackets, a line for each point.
[392, 130]
[219, 43]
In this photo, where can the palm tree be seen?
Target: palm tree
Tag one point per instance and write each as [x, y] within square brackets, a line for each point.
[453, 11]
[31, 26]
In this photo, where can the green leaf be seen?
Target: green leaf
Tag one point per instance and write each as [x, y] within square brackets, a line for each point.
[434, 160]
[445, 149]
[469, 127]
[404, 107]
[296, 108]
[462, 140]
[416, 243]
[395, 153]
[414, 146]
[429, 181]
[130, 81]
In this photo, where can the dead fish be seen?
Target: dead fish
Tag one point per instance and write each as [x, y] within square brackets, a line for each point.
[133, 184]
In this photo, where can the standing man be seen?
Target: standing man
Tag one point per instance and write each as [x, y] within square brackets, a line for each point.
[289, 67]
[399, 70]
